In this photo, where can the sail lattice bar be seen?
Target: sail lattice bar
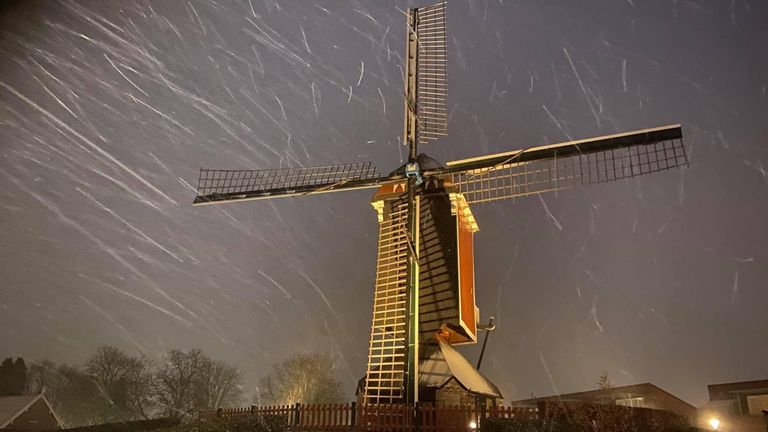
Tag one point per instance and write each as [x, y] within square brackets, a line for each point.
[216, 185]
[432, 66]
[557, 166]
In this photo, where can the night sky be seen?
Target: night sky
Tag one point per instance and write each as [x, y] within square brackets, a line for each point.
[108, 109]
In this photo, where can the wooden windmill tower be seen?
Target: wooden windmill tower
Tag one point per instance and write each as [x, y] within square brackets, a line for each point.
[424, 284]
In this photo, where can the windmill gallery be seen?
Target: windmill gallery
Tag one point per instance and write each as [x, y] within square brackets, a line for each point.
[424, 294]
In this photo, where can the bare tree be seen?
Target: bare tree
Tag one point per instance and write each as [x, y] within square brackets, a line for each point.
[140, 395]
[82, 403]
[73, 394]
[305, 378]
[44, 377]
[219, 384]
[109, 368]
[124, 382]
[604, 382]
[176, 381]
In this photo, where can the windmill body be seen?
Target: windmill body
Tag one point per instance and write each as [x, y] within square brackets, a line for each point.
[444, 229]
[424, 291]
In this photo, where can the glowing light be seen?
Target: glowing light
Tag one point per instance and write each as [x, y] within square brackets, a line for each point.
[715, 423]
[473, 425]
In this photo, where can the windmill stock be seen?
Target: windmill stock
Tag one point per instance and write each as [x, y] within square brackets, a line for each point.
[424, 294]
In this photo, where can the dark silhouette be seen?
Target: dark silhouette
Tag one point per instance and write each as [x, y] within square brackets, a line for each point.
[13, 377]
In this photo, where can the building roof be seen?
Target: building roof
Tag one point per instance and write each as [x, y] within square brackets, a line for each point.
[719, 404]
[443, 363]
[732, 389]
[11, 407]
[631, 390]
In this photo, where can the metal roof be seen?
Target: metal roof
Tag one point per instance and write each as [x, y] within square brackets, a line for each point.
[444, 363]
[11, 407]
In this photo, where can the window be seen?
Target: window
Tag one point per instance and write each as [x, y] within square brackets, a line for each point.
[757, 404]
[634, 402]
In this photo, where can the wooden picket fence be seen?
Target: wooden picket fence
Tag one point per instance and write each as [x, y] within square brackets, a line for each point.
[375, 418]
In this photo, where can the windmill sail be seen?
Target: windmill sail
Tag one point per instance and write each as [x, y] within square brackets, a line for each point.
[557, 166]
[385, 374]
[432, 64]
[216, 186]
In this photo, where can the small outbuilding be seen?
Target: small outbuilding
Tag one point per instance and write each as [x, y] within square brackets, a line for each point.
[644, 395]
[447, 378]
[741, 406]
[27, 413]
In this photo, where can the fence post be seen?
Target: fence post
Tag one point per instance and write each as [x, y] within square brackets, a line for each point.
[354, 414]
[297, 415]
[416, 416]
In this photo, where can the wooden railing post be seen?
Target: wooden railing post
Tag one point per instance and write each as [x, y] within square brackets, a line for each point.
[415, 416]
[297, 416]
[353, 420]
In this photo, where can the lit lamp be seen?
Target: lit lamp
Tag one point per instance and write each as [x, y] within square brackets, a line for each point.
[715, 423]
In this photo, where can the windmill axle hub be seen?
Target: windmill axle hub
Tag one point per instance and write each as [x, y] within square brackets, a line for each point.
[412, 171]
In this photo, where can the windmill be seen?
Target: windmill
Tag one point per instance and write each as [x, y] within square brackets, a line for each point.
[424, 286]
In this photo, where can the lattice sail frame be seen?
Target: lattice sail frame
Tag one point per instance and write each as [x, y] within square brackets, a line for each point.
[221, 185]
[432, 70]
[385, 373]
[531, 171]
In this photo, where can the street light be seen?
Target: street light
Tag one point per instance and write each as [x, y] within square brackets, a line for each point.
[715, 423]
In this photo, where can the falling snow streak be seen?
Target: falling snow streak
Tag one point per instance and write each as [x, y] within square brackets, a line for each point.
[549, 214]
[125, 77]
[383, 102]
[146, 302]
[583, 89]
[282, 109]
[556, 122]
[133, 228]
[593, 314]
[85, 140]
[316, 99]
[362, 71]
[127, 334]
[304, 37]
[624, 74]
[277, 285]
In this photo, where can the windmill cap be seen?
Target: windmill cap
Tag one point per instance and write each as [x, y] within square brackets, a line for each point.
[425, 163]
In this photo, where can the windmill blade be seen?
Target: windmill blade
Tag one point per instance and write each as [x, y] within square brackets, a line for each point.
[557, 166]
[218, 186]
[431, 66]
[387, 351]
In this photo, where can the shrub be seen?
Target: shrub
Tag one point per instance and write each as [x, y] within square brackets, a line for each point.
[256, 423]
[130, 426]
[584, 417]
[510, 425]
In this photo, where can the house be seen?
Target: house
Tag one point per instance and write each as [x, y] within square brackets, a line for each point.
[644, 395]
[741, 406]
[447, 378]
[27, 413]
